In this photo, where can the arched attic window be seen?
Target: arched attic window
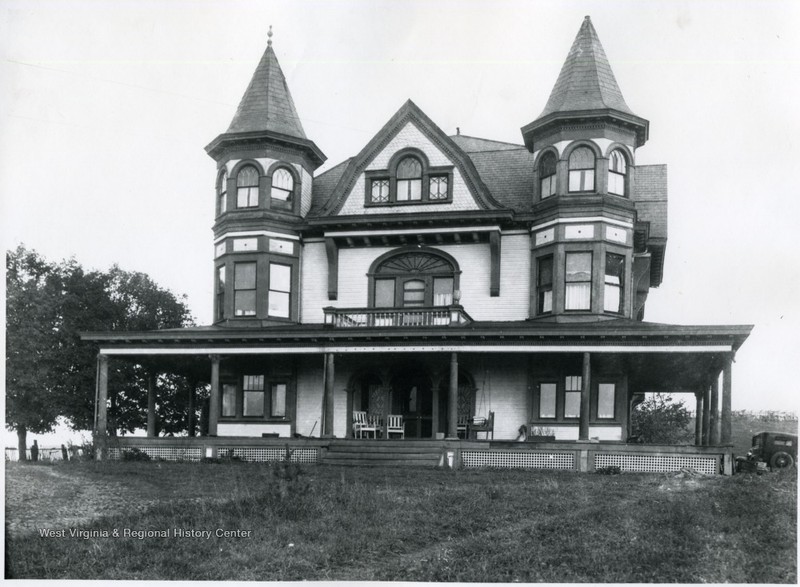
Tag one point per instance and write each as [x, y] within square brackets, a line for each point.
[247, 187]
[617, 173]
[222, 192]
[413, 279]
[282, 188]
[409, 180]
[547, 175]
[581, 170]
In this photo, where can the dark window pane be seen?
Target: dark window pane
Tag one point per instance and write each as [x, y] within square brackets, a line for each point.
[547, 400]
[279, 400]
[384, 293]
[244, 276]
[442, 291]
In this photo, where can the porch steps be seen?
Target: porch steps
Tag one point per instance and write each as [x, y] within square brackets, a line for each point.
[387, 453]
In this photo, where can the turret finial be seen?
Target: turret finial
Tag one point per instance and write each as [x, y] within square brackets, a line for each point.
[269, 34]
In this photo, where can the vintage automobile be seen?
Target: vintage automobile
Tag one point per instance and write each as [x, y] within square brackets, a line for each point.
[776, 449]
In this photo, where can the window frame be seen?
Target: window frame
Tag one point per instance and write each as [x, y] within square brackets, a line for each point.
[583, 171]
[222, 192]
[252, 190]
[254, 289]
[220, 282]
[590, 280]
[270, 382]
[401, 277]
[271, 289]
[389, 178]
[619, 286]
[277, 203]
[552, 178]
[543, 288]
[618, 154]
[613, 416]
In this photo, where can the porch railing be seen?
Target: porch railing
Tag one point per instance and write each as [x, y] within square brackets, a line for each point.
[396, 317]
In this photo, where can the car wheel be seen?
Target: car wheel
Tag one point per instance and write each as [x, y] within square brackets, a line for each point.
[781, 460]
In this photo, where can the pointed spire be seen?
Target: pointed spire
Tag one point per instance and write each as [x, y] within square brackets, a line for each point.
[267, 104]
[586, 81]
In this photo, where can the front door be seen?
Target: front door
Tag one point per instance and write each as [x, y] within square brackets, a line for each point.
[411, 397]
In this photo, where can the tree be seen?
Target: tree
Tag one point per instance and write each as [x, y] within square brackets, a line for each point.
[661, 420]
[50, 371]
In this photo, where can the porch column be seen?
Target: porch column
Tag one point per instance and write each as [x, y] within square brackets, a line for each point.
[452, 399]
[725, 434]
[213, 402]
[151, 405]
[583, 426]
[713, 430]
[101, 415]
[698, 418]
[329, 375]
[435, 382]
[706, 415]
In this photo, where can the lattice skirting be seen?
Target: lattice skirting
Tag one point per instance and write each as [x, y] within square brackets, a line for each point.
[167, 453]
[513, 459]
[644, 463]
[299, 455]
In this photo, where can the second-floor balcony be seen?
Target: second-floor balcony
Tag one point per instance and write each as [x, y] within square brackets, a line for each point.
[453, 315]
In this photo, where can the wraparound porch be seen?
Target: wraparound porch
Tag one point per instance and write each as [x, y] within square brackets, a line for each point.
[575, 456]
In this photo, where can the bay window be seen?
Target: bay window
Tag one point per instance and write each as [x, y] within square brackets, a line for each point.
[617, 172]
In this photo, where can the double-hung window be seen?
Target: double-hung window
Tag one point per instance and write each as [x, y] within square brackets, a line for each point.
[547, 175]
[409, 180]
[617, 172]
[581, 170]
[280, 289]
[572, 396]
[547, 400]
[253, 395]
[244, 286]
[606, 398]
[247, 187]
[282, 188]
[222, 193]
[578, 290]
[614, 283]
[544, 285]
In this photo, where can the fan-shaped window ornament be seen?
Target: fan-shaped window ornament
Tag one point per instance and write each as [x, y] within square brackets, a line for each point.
[413, 280]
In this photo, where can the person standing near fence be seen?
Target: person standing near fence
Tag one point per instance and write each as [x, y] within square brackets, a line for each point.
[35, 451]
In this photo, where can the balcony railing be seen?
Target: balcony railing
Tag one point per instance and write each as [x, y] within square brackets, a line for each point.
[396, 317]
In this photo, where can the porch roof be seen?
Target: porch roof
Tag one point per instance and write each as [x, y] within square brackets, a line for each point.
[520, 336]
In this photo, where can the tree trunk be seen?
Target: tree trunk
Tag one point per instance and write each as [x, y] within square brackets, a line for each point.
[22, 442]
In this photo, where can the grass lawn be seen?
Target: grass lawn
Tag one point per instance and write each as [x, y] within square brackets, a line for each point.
[394, 524]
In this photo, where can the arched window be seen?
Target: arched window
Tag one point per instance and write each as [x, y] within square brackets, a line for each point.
[282, 187]
[222, 193]
[247, 187]
[581, 170]
[413, 279]
[547, 175]
[617, 172]
[409, 180]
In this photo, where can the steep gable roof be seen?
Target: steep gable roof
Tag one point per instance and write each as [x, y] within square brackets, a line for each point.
[586, 81]
[267, 104]
[408, 112]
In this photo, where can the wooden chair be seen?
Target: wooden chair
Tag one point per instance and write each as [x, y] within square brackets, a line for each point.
[487, 427]
[362, 426]
[462, 426]
[395, 425]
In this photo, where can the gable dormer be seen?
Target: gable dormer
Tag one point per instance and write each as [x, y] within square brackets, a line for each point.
[409, 166]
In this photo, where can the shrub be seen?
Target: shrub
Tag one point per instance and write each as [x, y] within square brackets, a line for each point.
[661, 420]
[134, 454]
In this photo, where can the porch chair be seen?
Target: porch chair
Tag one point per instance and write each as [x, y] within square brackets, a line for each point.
[462, 426]
[395, 425]
[362, 426]
[487, 427]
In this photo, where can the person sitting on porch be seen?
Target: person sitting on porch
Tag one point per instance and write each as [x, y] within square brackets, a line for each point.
[522, 434]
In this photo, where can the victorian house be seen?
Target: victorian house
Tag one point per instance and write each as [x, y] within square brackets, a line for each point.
[455, 289]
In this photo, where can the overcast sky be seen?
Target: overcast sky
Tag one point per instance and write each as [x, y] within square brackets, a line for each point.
[107, 106]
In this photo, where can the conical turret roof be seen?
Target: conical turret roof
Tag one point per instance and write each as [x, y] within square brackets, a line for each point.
[586, 81]
[267, 104]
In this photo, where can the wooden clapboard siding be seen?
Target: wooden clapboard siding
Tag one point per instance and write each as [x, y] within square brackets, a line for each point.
[502, 388]
[309, 394]
[313, 283]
